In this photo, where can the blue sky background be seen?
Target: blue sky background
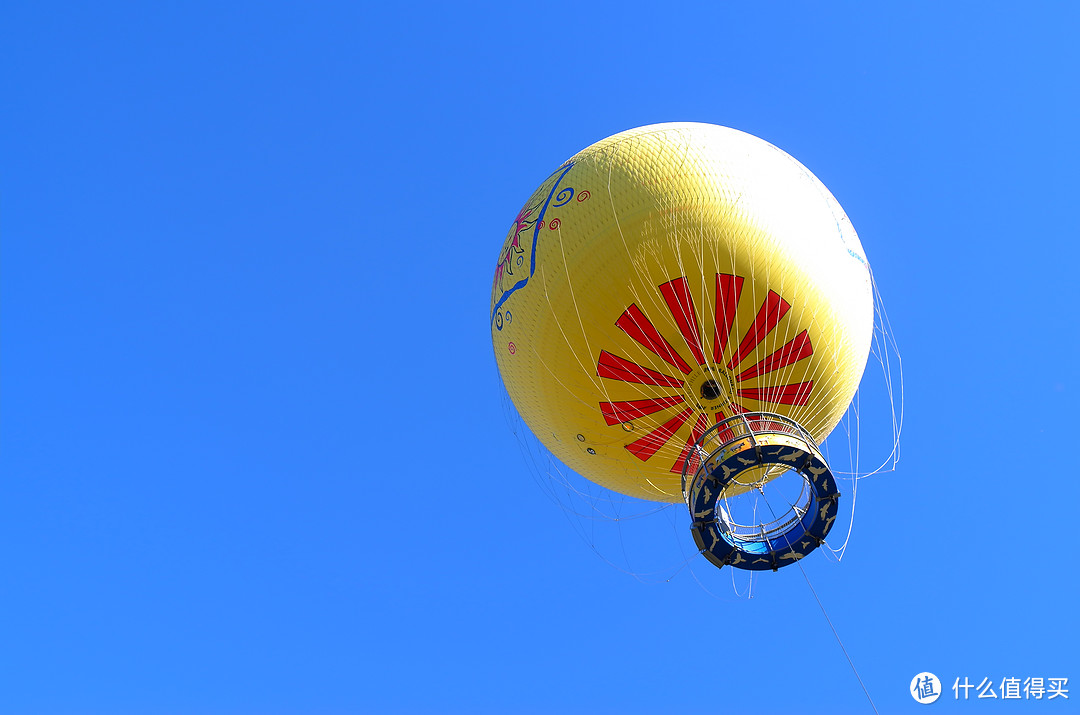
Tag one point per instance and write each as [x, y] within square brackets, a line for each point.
[254, 458]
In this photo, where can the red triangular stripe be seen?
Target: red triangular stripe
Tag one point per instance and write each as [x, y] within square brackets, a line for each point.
[618, 412]
[647, 446]
[772, 310]
[634, 323]
[677, 296]
[617, 368]
[794, 350]
[695, 435]
[728, 290]
[795, 394]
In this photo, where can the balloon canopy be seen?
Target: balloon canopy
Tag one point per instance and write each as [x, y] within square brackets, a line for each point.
[670, 291]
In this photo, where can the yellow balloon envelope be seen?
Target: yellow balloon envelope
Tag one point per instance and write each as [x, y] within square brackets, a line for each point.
[665, 283]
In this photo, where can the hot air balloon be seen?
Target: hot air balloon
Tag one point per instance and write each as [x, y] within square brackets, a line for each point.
[682, 313]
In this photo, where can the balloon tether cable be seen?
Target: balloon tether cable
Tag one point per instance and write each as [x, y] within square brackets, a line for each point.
[827, 619]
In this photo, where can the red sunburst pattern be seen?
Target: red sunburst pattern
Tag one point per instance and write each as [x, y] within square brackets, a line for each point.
[677, 297]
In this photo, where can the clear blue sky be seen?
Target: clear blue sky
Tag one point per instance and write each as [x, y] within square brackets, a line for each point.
[254, 458]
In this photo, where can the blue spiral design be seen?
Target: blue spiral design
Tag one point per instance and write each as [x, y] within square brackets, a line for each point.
[560, 201]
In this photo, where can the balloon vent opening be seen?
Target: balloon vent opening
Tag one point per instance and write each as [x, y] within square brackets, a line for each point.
[760, 493]
[711, 390]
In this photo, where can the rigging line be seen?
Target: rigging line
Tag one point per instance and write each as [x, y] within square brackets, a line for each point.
[888, 340]
[837, 636]
[546, 478]
[853, 463]
[586, 528]
[798, 562]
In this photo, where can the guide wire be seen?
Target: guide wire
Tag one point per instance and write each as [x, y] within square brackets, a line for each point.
[837, 636]
[828, 620]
